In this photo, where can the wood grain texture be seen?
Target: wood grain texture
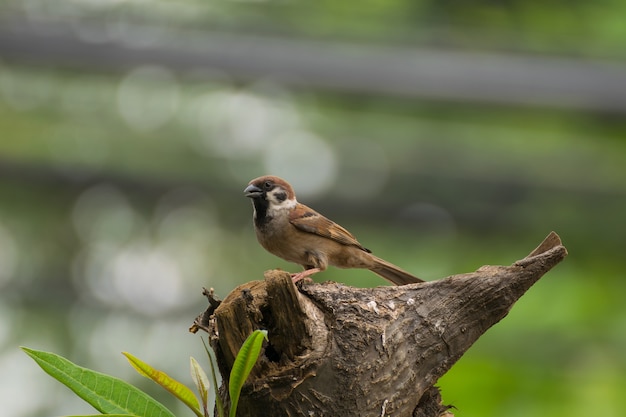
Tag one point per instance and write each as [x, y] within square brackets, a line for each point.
[335, 350]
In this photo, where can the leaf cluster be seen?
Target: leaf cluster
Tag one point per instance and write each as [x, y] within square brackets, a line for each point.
[114, 397]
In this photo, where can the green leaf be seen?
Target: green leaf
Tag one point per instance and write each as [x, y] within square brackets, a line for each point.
[177, 389]
[105, 393]
[202, 383]
[218, 400]
[109, 415]
[245, 360]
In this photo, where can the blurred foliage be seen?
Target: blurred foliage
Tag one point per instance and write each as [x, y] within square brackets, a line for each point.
[555, 26]
[121, 194]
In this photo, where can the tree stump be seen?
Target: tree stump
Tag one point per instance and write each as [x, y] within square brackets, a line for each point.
[335, 350]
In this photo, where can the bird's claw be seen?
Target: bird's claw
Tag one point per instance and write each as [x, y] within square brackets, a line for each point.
[307, 273]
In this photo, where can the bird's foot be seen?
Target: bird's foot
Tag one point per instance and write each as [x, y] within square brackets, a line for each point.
[307, 273]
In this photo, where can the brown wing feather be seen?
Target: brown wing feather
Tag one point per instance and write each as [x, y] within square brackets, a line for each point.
[310, 221]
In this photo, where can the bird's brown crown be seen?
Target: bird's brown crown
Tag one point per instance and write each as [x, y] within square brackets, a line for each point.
[269, 182]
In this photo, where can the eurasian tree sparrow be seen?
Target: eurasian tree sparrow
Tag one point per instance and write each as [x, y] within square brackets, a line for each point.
[299, 234]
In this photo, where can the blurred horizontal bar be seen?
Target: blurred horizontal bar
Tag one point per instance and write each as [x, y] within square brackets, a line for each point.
[414, 73]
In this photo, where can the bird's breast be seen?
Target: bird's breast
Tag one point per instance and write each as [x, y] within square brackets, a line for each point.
[282, 239]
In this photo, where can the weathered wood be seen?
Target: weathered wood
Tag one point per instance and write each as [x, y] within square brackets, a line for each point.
[335, 350]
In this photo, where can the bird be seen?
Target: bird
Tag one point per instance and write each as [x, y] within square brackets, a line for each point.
[299, 234]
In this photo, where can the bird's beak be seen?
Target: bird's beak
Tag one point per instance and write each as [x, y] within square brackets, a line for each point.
[253, 191]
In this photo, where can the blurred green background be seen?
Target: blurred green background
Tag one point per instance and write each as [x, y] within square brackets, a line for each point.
[445, 135]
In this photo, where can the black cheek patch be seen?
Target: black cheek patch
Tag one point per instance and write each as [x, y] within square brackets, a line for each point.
[281, 196]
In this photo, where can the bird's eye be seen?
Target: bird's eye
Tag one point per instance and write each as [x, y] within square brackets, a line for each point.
[268, 185]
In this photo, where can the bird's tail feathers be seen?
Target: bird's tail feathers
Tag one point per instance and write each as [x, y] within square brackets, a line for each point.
[393, 273]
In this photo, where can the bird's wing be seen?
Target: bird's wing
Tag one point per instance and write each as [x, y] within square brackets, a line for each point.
[308, 220]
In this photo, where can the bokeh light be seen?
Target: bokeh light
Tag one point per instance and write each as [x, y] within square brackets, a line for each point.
[103, 214]
[445, 136]
[305, 159]
[238, 124]
[148, 98]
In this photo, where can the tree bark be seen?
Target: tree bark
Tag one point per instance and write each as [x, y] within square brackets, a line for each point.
[335, 350]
